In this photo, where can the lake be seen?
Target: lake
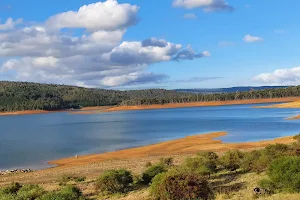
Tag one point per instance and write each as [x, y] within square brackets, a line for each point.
[29, 141]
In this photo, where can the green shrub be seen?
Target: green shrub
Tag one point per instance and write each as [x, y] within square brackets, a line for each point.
[13, 188]
[67, 193]
[114, 181]
[180, 185]
[259, 160]
[275, 151]
[232, 159]
[195, 165]
[152, 171]
[210, 160]
[285, 173]
[30, 192]
[255, 161]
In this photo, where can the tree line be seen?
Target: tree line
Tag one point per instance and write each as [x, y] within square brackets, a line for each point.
[18, 96]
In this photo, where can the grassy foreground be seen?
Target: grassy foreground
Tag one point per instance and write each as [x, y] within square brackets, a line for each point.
[230, 174]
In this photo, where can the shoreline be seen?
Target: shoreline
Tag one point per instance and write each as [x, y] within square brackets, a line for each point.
[294, 104]
[100, 109]
[134, 159]
[97, 110]
[183, 146]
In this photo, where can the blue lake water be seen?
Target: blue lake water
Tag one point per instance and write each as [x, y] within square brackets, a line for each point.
[29, 141]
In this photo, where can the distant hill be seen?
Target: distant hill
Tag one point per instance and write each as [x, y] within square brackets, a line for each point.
[226, 90]
[18, 96]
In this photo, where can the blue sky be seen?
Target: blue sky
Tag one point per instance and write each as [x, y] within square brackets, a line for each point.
[269, 54]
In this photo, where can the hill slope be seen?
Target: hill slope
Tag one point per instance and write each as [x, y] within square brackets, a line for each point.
[18, 96]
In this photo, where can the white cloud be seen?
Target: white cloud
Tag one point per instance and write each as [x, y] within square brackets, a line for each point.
[108, 15]
[10, 24]
[280, 76]
[250, 39]
[190, 16]
[96, 58]
[207, 5]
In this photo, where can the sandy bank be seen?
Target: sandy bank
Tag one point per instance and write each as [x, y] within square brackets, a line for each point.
[294, 104]
[187, 145]
[95, 110]
[294, 118]
[25, 112]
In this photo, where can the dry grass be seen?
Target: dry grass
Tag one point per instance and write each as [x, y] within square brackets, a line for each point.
[227, 185]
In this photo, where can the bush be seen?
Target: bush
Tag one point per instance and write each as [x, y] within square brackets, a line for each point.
[210, 160]
[114, 181]
[259, 160]
[151, 172]
[275, 151]
[195, 165]
[180, 185]
[13, 188]
[30, 192]
[67, 193]
[255, 161]
[232, 160]
[285, 173]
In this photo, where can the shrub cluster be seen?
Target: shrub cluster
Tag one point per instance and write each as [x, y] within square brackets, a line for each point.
[15, 191]
[152, 171]
[114, 181]
[180, 185]
[284, 175]
[259, 160]
[232, 160]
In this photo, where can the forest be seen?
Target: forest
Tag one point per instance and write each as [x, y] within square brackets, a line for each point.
[18, 96]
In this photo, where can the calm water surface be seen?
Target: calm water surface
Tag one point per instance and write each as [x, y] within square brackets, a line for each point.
[28, 141]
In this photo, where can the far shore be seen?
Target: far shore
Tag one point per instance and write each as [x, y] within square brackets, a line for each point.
[187, 145]
[100, 109]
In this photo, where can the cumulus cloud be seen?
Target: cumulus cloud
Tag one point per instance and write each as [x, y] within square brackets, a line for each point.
[189, 54]
[134, 78]
[280, 76]
[10, 24]
[108, 15]
[97, 58]
[190, 16]
[250, 39]
[207, 5]
[154, 42]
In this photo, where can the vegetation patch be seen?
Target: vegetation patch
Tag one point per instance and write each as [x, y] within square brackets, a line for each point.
[114, 181]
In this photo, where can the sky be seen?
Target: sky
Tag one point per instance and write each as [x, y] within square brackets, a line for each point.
[137, 44]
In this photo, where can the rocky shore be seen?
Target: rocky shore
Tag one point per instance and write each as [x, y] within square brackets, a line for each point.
[14, 171]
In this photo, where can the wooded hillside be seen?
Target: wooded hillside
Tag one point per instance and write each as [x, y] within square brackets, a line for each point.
[17, 96]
